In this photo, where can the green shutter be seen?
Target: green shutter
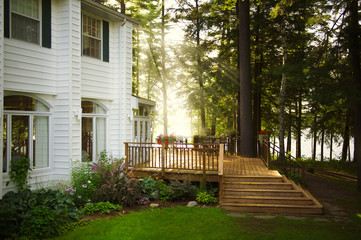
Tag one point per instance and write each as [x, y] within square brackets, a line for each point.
[46, 23]
[6, 18]
[105, 41]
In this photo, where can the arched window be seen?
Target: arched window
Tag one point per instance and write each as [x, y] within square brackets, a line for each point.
[25, 131]
[93, 130]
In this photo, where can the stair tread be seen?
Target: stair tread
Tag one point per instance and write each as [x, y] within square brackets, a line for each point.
[261, 190]
[259, 183]
[269, 205]
[267, 198]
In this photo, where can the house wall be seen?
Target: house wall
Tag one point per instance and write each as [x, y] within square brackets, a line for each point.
[61, 78]
[1, 92]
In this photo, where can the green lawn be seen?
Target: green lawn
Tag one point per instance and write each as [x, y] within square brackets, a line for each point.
[211, 223]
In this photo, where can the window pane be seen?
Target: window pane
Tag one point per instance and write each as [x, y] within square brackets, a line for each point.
[101, 141]
[23, 103]
[25, 29]
[5, 160]
[19, 137]
[41, 142]
[91, 37]
[91, 107]
[87, 138]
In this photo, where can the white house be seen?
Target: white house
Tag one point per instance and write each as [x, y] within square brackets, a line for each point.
[65, 85]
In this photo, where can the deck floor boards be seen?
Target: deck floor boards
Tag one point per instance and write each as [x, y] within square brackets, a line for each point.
[240, 166]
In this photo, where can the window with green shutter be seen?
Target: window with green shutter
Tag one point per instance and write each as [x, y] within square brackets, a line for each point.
[27, 20]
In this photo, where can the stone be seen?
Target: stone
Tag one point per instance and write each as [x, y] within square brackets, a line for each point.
[236, 215]
[321, 220]
[192, 204]
[295, 217]
[154, 205]
[265, 216]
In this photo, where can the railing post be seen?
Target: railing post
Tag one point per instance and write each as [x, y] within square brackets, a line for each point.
[303, 173]
[268, 156]
[163, 170]
[220, 162]
[126, 156]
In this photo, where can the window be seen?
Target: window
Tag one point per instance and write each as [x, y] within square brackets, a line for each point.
[28, 20]
[25, 131]
[93, 130]
[25, 20]
[95, 37]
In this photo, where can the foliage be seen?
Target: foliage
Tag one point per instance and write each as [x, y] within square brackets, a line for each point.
[101, 207]
[42, 221]
[83, 184]
[333, 165]
[44, 207]
[19, 172]
[205, 197]
[149, 187]
[115, 184]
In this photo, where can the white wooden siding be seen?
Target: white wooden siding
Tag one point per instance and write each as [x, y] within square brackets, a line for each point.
[1, 93]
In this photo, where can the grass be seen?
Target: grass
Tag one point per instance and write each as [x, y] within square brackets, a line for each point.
[210, 223]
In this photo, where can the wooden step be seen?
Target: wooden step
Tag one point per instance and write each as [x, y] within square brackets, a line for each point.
[262, 192]
[232, 178]
[268, 200]
[273, 208]
[258, 185]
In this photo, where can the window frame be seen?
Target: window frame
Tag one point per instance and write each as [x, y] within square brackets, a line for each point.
[94, 117]
[83, 13]
[30, 114]
[40, 23]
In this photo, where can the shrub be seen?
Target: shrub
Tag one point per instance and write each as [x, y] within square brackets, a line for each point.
[15, 208]
[182, 190]
[19, 172]
[149, 187]
[101, 207]
[115, 184]
[43, 222]
[204, 197]
[82, 184]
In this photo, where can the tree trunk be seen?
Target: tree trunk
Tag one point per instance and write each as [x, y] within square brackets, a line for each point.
[164, 78]
[246, 123]
[356, 75]
[299, 125]
[314, 139]
[346, 137]
[282, 97]
[258, 52]
[331, 145]
[322, 140]
[289, 132]
[122, 6]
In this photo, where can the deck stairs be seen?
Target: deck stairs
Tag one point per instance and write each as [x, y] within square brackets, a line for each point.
[266, 194]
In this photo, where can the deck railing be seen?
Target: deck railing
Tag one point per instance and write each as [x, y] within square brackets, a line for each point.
[196, 157]
[289, 166]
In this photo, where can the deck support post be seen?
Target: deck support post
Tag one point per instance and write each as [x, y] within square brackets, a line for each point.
[220, 162]
[163, 170]
[268, 156]
[126, 156]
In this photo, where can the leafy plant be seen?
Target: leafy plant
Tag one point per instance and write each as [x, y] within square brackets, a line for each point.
[115, 184]
[102, 207]
[182, 190]
[42, 221]
[204, 197]
[149, 187]
[19, 172]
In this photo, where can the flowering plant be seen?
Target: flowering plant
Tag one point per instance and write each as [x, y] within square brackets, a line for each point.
[230, 132]
[206, 132]
[261, 132]
[166, 140]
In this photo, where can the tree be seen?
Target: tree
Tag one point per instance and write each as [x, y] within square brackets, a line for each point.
[245, 101]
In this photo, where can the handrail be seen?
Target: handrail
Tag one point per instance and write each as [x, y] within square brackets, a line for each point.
[198, 157]
[290, 166]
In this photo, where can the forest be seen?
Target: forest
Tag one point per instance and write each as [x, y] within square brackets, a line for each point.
[303, 67]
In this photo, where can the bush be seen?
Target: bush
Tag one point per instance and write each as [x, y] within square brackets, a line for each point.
[43, 222]
[115, 184]
[82, 184]
[28, 206]
[19, 172]
[101, 207]
[204, 197]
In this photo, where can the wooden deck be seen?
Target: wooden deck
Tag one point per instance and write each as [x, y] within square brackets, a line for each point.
[239, 166]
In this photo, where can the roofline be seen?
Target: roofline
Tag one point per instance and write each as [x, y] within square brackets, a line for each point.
[111, 11]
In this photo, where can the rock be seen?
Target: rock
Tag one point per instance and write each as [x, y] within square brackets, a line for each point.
[192, 204]
[154, 205]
